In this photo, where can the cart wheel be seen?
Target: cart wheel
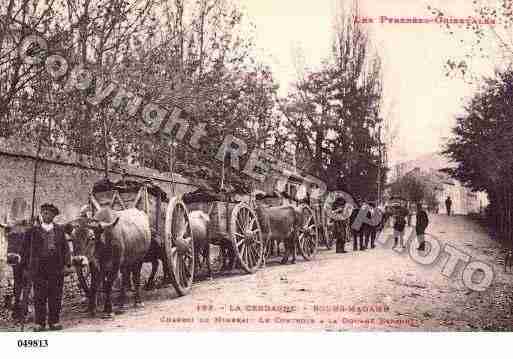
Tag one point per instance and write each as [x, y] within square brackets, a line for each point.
[329, 231]
[308, 234]
[246, 237]
[178, 244]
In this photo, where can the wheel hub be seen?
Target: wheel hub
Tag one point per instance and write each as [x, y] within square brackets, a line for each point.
[248, 237]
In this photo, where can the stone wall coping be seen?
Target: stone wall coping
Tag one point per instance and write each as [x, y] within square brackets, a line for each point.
[69, 158]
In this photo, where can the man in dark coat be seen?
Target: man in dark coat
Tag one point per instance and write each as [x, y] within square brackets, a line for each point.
[49, 254]
[448, 205]
[340, 226]
[420, 226]
[399, 224]
[340, 230]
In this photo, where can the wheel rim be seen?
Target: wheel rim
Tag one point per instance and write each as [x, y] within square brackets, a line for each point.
[179, 247]
[308, 234]
[247, 238]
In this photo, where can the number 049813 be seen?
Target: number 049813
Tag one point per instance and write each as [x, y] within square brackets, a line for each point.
[32, 343]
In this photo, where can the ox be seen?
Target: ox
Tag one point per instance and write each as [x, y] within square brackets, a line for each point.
[119, 242]
[155, 253]
[278, 223]
[199, 226]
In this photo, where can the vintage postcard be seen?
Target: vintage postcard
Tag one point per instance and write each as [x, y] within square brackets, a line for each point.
[255, 165]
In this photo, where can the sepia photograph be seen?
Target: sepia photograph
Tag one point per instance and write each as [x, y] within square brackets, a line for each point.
[253, 166]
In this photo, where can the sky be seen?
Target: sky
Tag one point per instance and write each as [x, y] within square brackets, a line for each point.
[417, 93]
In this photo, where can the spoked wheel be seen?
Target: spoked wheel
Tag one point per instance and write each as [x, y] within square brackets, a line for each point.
[178, 244]
[246, 237]
[329, 231]
[308, 234]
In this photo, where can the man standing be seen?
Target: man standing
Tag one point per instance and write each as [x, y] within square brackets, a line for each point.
[372, 231]
[49, 254]
[399, 224]
[340, 233]
[421, 225]
[339, 225]
[448, 204]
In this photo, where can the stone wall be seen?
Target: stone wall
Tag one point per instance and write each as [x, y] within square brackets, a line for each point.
[63, 178]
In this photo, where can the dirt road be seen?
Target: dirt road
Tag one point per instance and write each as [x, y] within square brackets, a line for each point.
[376, 289]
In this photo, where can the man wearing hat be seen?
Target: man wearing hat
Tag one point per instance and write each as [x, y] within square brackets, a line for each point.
[49, 253]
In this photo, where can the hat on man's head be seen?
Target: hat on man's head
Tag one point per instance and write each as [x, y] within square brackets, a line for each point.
[50, 207]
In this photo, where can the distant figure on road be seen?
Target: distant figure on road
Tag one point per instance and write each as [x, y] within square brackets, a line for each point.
[448, 204]
[420, 226]
[399, 224]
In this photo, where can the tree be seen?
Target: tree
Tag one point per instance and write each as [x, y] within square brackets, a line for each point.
[89, 33]
[481, 144]
[333, 113]
[492, 40]
[201, 62]
[181, 53]
[483, 150]
[410, 188]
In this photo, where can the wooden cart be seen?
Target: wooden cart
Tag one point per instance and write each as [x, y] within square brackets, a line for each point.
[233, 224]
[169, 222]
